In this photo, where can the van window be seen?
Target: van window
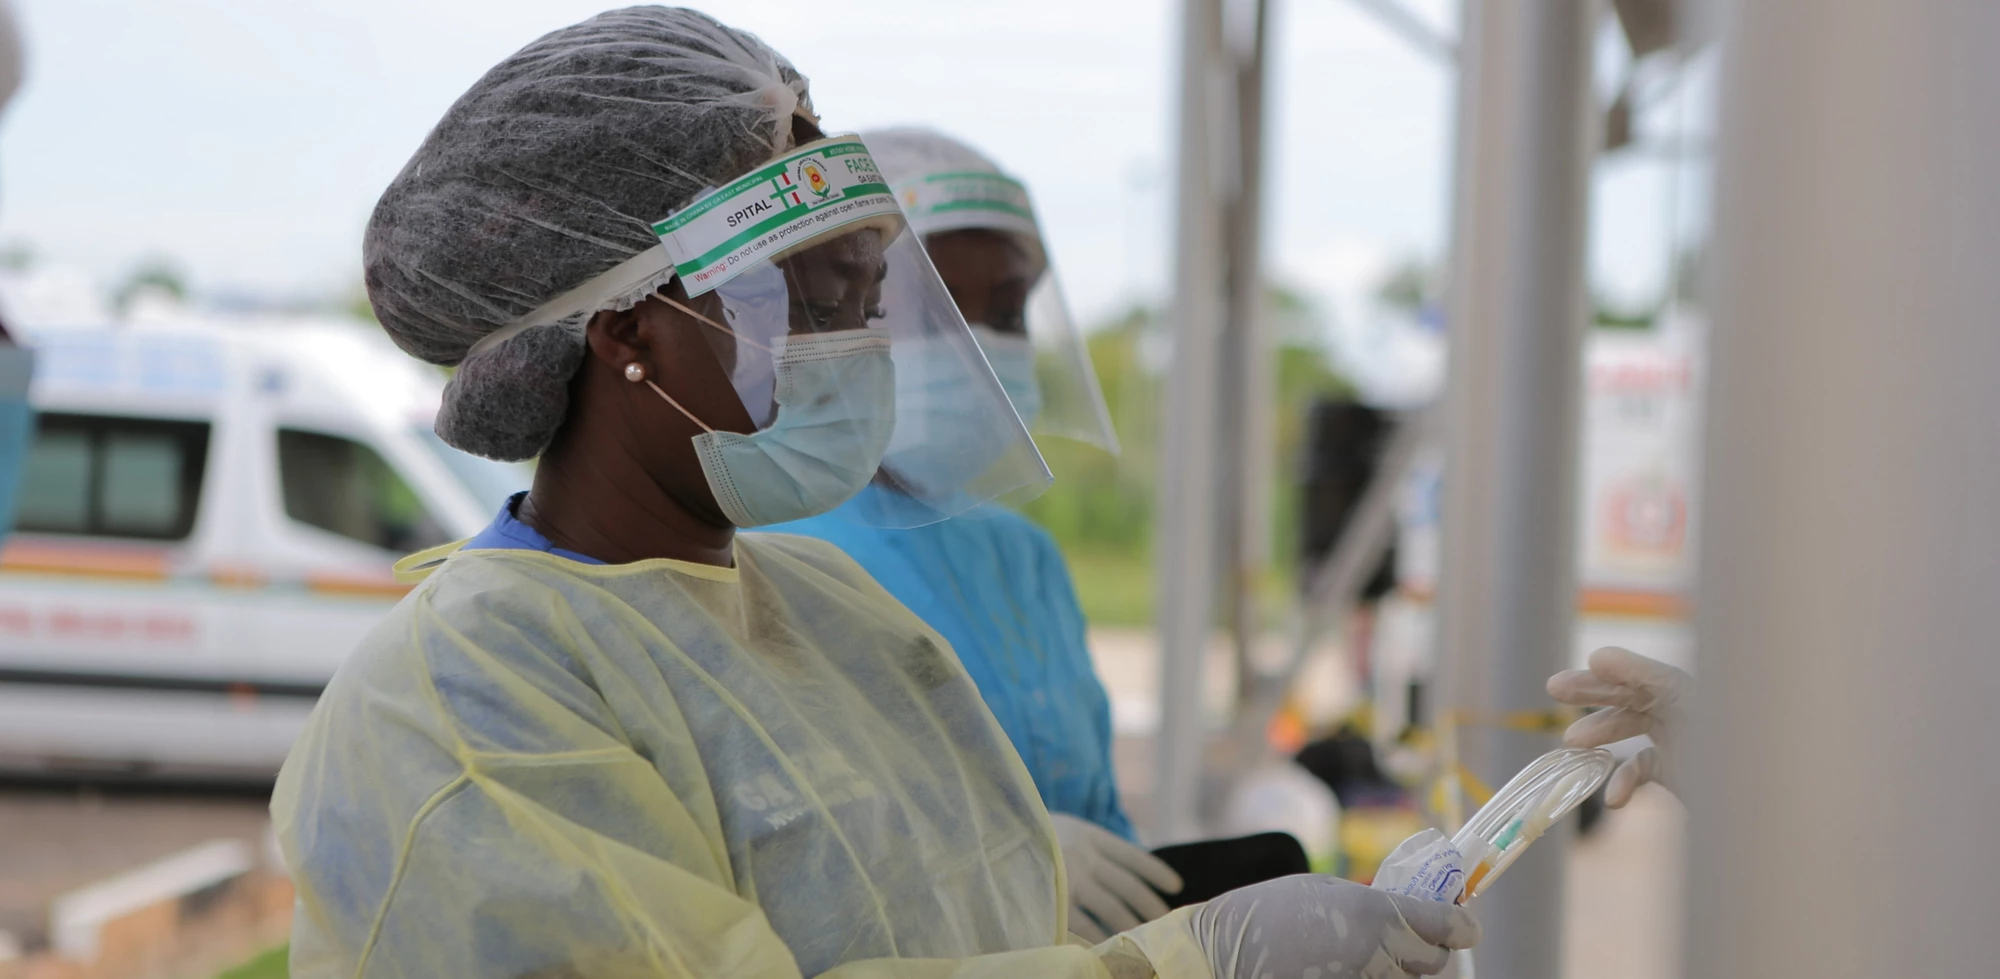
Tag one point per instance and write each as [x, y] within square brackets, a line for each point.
[345, 487]
[107, 476]
[489, 482]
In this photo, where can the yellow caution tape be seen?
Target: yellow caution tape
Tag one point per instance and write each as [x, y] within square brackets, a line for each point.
[1479, 792]
[1531, 721]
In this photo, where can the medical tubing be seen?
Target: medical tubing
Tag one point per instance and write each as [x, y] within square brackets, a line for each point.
[1526, 807]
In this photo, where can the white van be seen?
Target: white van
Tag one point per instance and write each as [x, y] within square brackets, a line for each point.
[206, 525]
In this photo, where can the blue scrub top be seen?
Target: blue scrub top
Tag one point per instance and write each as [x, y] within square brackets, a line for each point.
[994, 586]
[507, 533]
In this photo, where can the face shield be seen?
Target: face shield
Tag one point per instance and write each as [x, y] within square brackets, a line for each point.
[821, 308]
[981, 233]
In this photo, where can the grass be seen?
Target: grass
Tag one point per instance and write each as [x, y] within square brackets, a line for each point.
[270, 965]
[1114, 589]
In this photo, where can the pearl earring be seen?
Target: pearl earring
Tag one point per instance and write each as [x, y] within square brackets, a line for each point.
[635, 373]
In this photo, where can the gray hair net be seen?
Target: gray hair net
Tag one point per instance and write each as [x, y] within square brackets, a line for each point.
[544, 175]
[904, 152]
[909, 152]
[11, 58]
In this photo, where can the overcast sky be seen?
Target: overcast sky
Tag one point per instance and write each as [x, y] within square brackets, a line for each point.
[245, 141]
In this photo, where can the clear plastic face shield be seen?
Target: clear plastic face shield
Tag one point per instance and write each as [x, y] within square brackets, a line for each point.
[836, 337]
[982, 237]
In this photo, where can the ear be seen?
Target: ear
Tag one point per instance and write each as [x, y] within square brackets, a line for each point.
[616, 339]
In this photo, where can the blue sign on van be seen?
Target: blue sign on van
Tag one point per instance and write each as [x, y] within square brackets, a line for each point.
[149, 365]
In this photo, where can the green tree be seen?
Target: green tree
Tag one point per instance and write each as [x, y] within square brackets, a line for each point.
[1101, 508]
[154, 275]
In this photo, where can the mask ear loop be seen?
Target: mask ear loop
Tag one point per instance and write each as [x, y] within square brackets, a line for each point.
[703, 319]
[677, 406]
[709, 322]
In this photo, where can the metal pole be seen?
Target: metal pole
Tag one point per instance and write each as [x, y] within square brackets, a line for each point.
[1331, 591]
[1841, 769]
[1187, 525]
[1414, 30]
[1527, 128]
[1244, 443]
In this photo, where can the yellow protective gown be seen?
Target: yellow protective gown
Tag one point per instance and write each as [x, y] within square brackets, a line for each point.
[535, 767]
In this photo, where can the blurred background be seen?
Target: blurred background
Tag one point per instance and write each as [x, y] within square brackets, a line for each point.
[1286, 616]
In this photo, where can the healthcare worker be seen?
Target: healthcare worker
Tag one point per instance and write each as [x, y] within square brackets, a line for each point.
[611, 737]
[989, 581]
[17, 363]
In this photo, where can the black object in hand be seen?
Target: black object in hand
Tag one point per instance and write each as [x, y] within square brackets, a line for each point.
[1210, 868]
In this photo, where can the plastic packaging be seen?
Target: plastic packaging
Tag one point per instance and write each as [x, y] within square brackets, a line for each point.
[1525, 808]
[1428, 865]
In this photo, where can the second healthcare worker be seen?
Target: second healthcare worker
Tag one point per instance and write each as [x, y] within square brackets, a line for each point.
[988, 580]
[613, 738]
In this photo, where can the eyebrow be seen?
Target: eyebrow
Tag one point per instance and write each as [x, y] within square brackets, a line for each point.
[849, 268]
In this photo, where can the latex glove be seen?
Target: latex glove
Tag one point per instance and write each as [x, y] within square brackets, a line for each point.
[1310, 925]
[1110, 878]
[1646, 696]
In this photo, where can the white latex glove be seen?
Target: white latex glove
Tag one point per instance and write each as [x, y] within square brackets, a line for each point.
[1110, 878]
[1310, 925]
[1646, 695]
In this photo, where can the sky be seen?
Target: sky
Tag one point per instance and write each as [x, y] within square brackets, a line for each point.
[245, 142]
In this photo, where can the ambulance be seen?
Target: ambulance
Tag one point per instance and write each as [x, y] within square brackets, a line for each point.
[206, 524]
[1636, 516]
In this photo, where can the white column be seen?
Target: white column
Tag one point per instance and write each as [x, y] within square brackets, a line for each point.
[1186, 534]
[1526, 135]
[1246, 444]
[1844, 770]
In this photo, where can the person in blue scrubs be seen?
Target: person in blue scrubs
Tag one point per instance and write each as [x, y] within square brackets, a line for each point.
[17, 363]
[993, 584]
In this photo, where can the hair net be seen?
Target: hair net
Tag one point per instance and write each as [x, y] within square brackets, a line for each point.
[906, 153]
[546, 174]
[10, 55]
[912, 151]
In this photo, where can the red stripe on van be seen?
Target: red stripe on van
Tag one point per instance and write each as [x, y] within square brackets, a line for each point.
[96, 560]
[384, 587]
[1625, 603]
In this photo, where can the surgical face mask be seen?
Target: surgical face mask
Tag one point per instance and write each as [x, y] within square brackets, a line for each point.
[1013, 359]
[836, 412]
[932, 391]
[960, 191]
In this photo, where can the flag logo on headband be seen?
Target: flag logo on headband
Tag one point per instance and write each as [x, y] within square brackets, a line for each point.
[804, 184]
[814, 178]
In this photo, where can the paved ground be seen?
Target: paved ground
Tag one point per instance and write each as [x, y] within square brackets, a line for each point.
[57, 838]
[1625, 884]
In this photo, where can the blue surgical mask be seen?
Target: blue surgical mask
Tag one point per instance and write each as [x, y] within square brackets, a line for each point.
[942, 412]
[17, 426]
[1013, 360]
[836, 397]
